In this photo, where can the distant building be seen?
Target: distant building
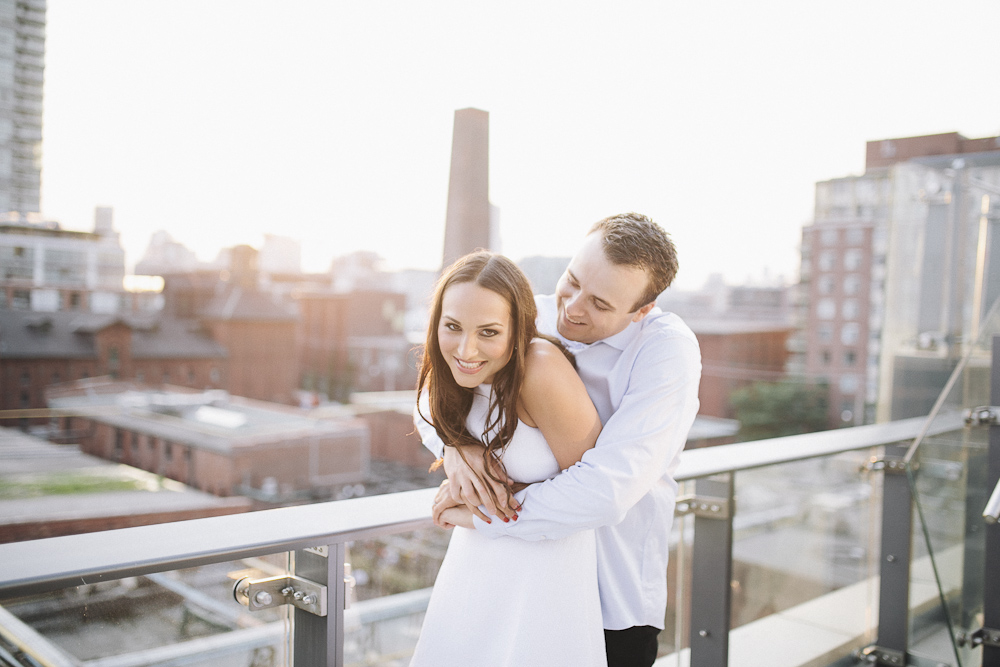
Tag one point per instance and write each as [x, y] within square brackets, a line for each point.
[42, 349]
[280, 255]
[353, 342]
[471, 221]
[544, 272]
[735, 354]
[888, 281]
[22, 36]
[46, 268]
[165, 256]
[212, 441]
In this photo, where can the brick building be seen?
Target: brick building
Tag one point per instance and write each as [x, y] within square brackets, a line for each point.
[881, 263]
[735, 354]
[42, 349]
[224, 445]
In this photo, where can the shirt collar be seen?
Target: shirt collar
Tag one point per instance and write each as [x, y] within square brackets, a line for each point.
[619, 341]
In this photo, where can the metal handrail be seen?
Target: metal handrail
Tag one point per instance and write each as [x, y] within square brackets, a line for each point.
[38, 566]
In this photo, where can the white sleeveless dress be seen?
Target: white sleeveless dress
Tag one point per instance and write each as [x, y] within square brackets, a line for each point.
[508, 602]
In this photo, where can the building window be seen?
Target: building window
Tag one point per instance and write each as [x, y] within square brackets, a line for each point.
[848, 384]
[824, 333]
[825, 356]
[827, 259]
[850, 333]
[852, 260]
[139, 376]
[25, 378]
[850, 357]
[852, 285]
[855, 236]
[849, 309]
[168, 451]
[21, 300]
[74, 301]
[826, 309]
[215, 375]
[825, 284]
[829, 237]
[119, 444]
[25, 399]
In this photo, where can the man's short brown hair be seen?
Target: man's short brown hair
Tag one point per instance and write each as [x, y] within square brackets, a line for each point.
[633, 239]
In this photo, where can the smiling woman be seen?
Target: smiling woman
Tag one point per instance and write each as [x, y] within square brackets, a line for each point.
[474, 333]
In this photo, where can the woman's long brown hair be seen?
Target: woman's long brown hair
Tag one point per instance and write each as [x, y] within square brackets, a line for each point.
[449, 402]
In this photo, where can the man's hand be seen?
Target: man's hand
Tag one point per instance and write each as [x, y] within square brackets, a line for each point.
[472, 487]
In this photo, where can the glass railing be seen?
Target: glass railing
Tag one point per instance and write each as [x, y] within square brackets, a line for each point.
[949, 479]
[778, 550]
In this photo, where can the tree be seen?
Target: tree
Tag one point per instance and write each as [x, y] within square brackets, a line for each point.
[775, 409]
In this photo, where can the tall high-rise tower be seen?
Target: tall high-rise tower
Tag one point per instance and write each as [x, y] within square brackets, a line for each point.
[470, 222]
[22, 64]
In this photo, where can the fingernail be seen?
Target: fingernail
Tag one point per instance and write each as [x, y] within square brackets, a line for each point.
[505, 519]
[515, 517]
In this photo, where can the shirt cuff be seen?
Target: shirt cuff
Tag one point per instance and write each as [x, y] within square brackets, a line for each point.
[496, 529]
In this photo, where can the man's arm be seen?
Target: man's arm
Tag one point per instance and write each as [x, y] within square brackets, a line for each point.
[635, 450]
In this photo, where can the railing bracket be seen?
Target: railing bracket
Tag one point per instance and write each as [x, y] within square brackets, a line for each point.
[703, 506]
[890, 465]
[257, 594]
[876, 655]
[984, 415]
[981, 637]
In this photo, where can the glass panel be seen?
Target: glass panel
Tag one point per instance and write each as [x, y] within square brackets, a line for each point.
[950, 492]
[674, 637]
[804, 543]
[393, 575]
[183, 617]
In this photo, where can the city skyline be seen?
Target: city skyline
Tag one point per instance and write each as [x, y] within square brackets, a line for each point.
[331, 124]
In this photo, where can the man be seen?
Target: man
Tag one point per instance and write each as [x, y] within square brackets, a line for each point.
[641, 368]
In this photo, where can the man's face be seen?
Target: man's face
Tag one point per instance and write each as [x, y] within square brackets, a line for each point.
[595, 297]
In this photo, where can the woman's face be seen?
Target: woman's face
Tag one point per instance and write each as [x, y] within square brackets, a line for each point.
[474, 333]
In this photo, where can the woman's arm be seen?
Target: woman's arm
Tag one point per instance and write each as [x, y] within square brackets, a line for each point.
[554, 400]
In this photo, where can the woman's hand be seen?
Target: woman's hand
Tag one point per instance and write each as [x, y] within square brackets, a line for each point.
[472, 487]
[455, 516]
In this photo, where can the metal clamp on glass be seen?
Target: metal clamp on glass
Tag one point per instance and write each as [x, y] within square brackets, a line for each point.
[704, 506]
[257, 594]
[981, 637]
[984, 415]
[890, 465]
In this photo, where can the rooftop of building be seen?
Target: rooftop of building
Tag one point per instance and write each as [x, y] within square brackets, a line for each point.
[212, 420]
[69, 335]
[46, 484]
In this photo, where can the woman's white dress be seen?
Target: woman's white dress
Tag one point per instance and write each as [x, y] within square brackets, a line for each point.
[511, 602]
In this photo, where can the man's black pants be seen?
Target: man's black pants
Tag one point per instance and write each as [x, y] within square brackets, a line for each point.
[631, 647]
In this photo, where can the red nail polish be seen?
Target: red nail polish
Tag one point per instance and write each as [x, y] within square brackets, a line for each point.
[515, 517]
[505, 519]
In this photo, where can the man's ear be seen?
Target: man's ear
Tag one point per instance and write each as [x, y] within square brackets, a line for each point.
[642, 312]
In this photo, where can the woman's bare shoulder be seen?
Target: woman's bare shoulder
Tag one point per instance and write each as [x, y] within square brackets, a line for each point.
[546, 368]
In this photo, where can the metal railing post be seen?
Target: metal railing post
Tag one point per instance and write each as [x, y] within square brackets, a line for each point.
[318, 641]
[895, 557]
[991, 583]
[711, 572]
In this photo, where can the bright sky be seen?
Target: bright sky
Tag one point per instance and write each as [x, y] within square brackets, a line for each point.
[330, 121]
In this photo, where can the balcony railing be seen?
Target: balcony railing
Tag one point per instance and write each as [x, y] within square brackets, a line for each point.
[874, 544]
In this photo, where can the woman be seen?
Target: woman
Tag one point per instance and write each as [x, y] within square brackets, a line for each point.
[489, 380]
